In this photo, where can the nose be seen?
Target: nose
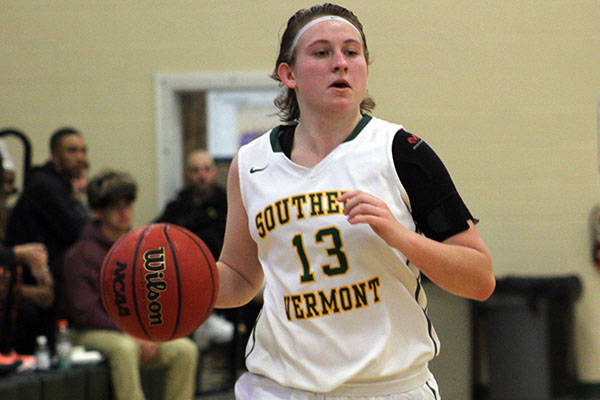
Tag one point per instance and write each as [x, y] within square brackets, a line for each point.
[339, 61]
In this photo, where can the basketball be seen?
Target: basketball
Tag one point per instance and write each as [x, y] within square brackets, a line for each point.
[159, 282]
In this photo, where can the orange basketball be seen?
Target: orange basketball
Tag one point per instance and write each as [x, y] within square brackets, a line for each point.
[159, 282]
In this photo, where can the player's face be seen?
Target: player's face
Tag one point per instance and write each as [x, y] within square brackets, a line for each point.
[201, 171]
[70, 158]
[330, 72]
[117, 217]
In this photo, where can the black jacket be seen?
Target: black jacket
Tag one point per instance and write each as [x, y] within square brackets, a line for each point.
[46, 212]
[206, 220]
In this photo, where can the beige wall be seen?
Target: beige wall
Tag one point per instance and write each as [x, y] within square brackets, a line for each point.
[505, 91]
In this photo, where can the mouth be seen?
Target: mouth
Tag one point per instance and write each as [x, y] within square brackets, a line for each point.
[340, 84]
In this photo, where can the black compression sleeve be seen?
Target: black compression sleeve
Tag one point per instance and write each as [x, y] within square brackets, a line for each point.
[437, 208]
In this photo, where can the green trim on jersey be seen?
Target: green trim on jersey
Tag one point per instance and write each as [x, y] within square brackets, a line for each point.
[359, 127]
[276, 144]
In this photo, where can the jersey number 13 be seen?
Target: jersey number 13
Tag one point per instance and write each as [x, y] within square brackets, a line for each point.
[333, 236]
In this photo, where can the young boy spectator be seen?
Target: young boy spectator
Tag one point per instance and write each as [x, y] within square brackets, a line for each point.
[110, 196]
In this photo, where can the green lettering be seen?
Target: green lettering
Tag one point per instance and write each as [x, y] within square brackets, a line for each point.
[345, 298]
[316, 205]
[329, 304]
[360, 294]
[297, 302]
[298, 202]
[311, 300]
[373, 285]
[260, 227]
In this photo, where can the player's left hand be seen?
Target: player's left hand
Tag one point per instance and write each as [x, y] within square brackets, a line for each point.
[364, 208]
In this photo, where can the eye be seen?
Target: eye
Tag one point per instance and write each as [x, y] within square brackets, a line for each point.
[321, 53]
[352, 52]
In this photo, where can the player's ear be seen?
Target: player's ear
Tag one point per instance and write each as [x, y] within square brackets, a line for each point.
[286, 75]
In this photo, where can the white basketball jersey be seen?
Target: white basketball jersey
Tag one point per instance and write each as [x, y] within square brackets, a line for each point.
[340, 305]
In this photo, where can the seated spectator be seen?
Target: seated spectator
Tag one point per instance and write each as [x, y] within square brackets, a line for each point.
[110, 196]
[47, 212]
[35, 257]
[201, 207]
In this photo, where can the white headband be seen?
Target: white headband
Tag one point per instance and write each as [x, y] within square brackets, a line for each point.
[316, 21]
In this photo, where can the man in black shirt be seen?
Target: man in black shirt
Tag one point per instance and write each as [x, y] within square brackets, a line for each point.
[201, 206]
[48, 213]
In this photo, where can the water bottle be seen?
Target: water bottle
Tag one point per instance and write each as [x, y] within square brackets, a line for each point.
[63, 345]
[42, 354]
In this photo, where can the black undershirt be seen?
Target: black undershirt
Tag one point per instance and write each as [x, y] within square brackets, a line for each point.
[436, 206]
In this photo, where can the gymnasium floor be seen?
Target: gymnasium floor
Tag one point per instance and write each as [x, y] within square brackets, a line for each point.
[228, 395]
[215, 375]
[215, 380]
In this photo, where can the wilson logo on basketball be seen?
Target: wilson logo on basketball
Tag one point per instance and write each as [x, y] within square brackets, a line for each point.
[154, 264]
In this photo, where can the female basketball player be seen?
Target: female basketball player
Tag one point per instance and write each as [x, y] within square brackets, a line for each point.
[340, 213]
